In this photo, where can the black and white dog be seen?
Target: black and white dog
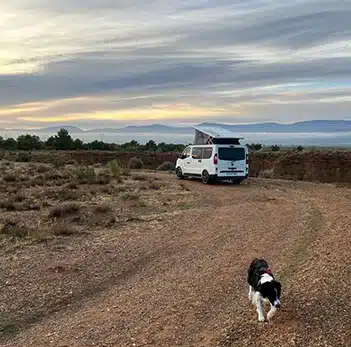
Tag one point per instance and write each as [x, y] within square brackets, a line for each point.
[263, 288]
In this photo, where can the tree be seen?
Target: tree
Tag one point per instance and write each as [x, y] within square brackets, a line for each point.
[61, 141]
[28, 142]
[151, 146]
[10, 144]
[275, 148]
[78, 144]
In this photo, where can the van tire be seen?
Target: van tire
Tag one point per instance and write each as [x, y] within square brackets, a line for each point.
[179, 173]
[206, 178]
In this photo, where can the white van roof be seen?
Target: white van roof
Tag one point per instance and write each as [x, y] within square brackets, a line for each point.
[217, 132]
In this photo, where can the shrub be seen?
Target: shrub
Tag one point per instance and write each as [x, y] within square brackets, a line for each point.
[62, 229]
[85, 174]
[43, 169]
[267, 173]
[115, 168]
[103, 208]
[275, 148]
[10, 178]
[140, 178]
[23, 157]
[135, 163]
[130, 196]
[166, 166]
[14, 230]
[64, 210]
[154, 186]
[299, 148]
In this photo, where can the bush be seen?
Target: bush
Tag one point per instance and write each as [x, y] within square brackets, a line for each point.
[275, 148]
[62, 229]
[103, 208]
[135, 163]
[85, 174]
[14, 230]
[140, 178]
[130, 196]
[267, 173]
[10, 178]
[166, 166]
[64, 210]
[299, 148]
[23, 157]
[115, 168]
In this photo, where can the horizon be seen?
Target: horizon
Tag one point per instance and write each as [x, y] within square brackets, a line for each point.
[173, 63]
[185, 125]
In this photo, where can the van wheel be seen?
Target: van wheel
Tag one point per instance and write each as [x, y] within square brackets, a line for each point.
[205, 177]
[179, 173]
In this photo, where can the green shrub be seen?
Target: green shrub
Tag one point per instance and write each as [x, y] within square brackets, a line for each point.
[85, 174]
[23, 157]
[135, 163]
[115, 168]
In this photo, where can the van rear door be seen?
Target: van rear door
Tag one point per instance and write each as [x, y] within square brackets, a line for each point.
[231, 161]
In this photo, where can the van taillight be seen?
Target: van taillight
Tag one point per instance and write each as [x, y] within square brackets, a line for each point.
[215, 159]
[247, 159]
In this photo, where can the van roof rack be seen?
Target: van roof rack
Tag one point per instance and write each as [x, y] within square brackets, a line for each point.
[205, 134]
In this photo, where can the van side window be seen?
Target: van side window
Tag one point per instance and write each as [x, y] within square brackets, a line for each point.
[197, 153]
[207, 153]
[186, 153]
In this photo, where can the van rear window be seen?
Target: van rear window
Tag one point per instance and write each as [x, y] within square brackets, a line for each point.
[231, 153]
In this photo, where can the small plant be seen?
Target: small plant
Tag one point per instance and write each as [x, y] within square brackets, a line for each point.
[140, 178]
[103, 208]
[10, 178]
[115, 168]
[154, 186]
[64, 210]
[130, 196]
[135, 163]
[267, 173]
[275, 148]
[166, 166]
[62, 229]
[85, 174]
[42, 169]
[299, 148]
[14, 230]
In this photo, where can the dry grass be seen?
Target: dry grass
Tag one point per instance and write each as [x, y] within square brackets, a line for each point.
[64, 210]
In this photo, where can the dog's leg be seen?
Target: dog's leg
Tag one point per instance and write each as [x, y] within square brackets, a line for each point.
[250, 293]
[258, 301]
[272, 312]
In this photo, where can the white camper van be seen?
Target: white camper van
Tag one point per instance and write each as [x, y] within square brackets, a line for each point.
[216, 155]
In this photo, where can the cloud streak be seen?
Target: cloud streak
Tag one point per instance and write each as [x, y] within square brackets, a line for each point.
[115, 61]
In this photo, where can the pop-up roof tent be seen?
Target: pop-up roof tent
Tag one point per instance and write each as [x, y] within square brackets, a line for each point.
[205, 135]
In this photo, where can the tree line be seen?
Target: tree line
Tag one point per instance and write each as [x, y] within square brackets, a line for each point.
[63, 141]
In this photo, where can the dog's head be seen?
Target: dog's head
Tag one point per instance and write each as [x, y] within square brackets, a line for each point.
[271, 291]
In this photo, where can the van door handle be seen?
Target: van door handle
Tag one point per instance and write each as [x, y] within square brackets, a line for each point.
[200, 161]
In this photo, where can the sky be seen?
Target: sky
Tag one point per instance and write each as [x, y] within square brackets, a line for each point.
[107, 63]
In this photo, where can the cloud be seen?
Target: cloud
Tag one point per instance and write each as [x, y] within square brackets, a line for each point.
[120, 60]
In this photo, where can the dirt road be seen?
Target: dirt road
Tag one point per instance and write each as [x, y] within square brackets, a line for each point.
[179, 279]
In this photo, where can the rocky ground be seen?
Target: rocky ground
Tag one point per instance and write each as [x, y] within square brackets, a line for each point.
[146, 260]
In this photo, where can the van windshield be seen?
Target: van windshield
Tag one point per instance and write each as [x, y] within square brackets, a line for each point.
[232, 154]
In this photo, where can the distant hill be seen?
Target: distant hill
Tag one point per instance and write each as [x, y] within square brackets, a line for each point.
[153, 128]
[55, 129]
[314, 126]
